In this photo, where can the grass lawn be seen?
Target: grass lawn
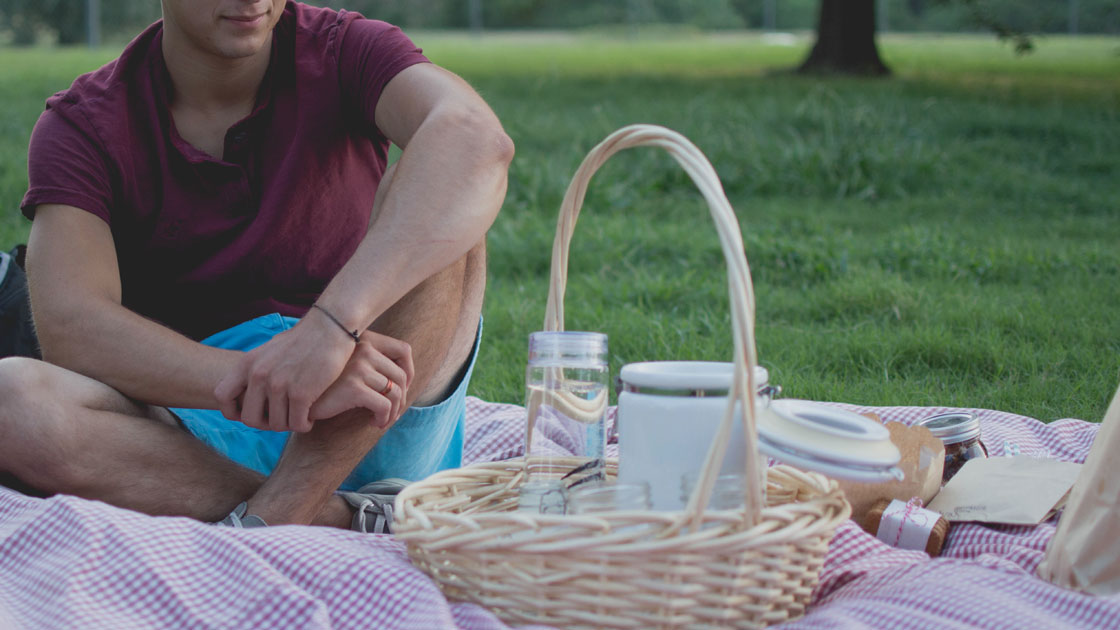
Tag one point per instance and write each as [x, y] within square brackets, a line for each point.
[947, 236]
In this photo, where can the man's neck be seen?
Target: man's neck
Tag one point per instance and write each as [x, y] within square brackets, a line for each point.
[207, 83]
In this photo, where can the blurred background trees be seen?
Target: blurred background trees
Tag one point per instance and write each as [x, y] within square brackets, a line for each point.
[24, 22]
[64, 21]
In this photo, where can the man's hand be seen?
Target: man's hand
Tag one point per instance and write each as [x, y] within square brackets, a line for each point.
[376, 379]
[274, 386]
[290, 382]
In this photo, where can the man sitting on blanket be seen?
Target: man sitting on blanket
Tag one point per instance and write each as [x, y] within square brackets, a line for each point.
[223, 177]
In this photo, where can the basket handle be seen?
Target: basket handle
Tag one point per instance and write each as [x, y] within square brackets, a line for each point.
[704, 176]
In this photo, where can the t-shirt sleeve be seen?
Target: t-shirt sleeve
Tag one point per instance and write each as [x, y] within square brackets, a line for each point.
[371, 54]
[66, 165]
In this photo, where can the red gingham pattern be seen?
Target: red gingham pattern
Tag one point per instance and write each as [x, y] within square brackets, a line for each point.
[71, 563]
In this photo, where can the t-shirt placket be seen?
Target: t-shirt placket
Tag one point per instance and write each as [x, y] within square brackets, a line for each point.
[238, 161]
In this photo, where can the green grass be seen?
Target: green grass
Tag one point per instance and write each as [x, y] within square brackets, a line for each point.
[947, 236]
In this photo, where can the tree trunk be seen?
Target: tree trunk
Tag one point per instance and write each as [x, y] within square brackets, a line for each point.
[70, 22]
[845, 40]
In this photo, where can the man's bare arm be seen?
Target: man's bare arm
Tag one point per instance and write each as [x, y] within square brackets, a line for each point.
[449, 185]
[82, 326]
[447, 190]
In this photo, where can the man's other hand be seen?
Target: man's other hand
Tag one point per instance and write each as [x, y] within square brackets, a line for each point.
[376, 379]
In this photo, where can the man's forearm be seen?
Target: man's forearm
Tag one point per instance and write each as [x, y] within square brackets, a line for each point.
[82, 326]
[448, 187]
[138, 357]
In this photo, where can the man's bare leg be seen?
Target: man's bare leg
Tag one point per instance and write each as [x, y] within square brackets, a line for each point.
[61, 432]
[64, 432]
[439, 319]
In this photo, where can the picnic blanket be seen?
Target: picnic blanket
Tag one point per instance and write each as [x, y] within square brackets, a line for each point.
[71, 563]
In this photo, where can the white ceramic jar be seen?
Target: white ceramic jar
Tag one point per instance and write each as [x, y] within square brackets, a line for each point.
[668, 413]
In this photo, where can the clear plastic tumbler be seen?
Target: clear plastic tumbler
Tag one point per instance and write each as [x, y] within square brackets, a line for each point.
[567, 387]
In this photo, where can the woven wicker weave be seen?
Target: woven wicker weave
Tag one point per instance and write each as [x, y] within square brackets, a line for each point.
[691, 569]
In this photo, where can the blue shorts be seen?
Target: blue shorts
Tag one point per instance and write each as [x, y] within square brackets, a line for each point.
[423, 441]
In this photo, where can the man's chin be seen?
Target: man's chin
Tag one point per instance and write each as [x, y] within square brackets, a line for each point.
[240, 49]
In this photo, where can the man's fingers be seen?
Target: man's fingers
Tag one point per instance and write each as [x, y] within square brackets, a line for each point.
[381, 395]
[357, 398]
[298, 409]
[276, 417]
[405, 363]
[386, 356]
[396, 398]
[393, 348]
[228, 405]
[284, 376]
[392, 372]
[387, 402]
[397, 351]
[252, 409]
[390, 382]
[382, 408]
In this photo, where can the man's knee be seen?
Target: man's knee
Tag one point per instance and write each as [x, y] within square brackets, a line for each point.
[22, 382]
[32, 387]
[28, 390]
[38, 439]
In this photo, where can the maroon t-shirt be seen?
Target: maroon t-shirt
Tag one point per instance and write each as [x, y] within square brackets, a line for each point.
[206, 243]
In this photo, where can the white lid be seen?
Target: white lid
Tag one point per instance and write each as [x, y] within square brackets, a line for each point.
[705, 376]
[836, 442]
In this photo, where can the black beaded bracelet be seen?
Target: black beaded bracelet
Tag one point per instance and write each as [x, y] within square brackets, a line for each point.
[353, 333]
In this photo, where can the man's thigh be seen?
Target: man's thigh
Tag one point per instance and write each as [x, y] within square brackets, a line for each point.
[439, 319]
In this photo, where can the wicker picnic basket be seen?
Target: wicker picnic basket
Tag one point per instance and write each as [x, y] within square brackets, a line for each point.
[696, 568]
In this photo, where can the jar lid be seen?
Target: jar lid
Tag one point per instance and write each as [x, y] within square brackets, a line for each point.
[567, 348]
[684, 378]
[953, 428]
[839, 443]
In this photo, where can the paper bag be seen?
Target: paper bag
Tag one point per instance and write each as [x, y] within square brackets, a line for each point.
[923, 459]
[1008, 490]
[1085, 552]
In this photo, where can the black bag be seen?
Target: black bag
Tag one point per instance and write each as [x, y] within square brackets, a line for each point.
[17, 333]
